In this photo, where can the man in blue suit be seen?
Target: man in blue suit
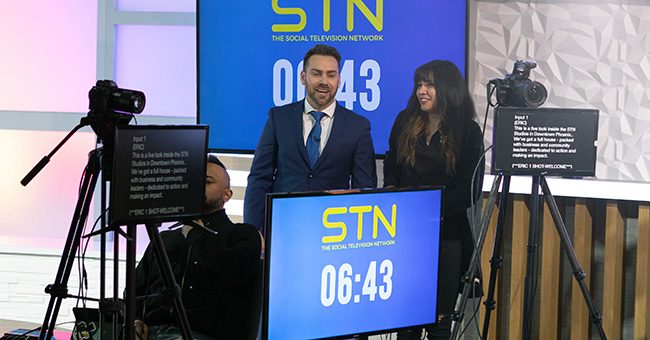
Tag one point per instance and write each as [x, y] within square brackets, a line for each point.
[313, 144]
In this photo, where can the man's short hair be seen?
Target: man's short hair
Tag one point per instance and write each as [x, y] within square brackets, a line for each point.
[321, 49]
[215, 160]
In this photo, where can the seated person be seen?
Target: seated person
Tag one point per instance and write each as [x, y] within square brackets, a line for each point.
[216, 263]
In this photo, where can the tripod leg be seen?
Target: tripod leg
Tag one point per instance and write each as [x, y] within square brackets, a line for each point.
[531, 259]
[578, 273]
[168, 277]
[471, 272]
[58, 290]
[129, 320]
[496, 261]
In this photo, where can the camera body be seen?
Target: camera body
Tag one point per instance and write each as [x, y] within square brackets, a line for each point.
[111, 106]
[516, 90]
[106, 96]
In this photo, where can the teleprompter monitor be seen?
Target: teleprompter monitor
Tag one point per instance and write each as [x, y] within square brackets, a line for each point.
[158, 173]
[339, 264]
[545, 141]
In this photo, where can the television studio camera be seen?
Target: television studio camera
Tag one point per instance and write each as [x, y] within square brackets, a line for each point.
[516, 90]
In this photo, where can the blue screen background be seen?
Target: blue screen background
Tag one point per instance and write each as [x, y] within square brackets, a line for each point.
[296, 261]
[237, 53]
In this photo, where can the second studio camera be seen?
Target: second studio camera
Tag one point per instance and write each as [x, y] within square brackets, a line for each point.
[516, 90]
[111, 106]
[106, 96]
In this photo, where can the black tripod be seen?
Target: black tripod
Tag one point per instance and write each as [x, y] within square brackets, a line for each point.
[497, 261]
[166, 271]
[59, 289]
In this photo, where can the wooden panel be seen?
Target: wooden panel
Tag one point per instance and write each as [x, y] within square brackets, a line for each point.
[508, 316]
[520, 221]
[641, 298]
[582, 243]
[613, 276]
[550, 278]
[486, 256]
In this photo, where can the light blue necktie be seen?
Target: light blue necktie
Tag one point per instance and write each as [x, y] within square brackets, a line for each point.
[313, 140]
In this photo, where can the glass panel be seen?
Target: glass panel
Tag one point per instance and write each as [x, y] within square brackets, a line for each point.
[161, 62]
[48, 61]
[39, 215]
[157, 5]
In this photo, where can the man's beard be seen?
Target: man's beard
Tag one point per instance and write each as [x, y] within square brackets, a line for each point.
[317, 99]
[212, 205]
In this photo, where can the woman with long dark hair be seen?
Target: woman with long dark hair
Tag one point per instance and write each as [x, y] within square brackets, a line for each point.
[435, 141]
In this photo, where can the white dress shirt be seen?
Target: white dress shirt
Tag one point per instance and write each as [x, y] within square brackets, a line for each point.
[308, 122]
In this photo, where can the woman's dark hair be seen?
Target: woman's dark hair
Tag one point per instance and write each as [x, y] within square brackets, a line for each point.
[452, 102]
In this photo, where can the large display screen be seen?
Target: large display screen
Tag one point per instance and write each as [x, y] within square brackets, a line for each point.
[350, 263]
[250, 57]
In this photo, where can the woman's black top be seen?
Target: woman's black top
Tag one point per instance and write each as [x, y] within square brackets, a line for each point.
[429, 169]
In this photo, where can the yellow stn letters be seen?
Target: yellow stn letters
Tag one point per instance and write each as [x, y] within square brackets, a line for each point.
[376, 19]
[344, 230]
[289, 11]
[377, 216]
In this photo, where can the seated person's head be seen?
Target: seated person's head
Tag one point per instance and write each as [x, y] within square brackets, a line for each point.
[217, 185]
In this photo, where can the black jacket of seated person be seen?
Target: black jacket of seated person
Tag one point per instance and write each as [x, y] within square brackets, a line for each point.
[218, 274]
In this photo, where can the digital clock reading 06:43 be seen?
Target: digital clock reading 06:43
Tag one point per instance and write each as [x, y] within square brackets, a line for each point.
[337, 285]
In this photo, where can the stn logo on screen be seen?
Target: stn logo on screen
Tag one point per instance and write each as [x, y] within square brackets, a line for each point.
[333, 219]
[376, 19]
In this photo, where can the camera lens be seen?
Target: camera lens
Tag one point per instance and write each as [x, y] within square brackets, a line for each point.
[534, 94]
[526, 93]
[126, 100]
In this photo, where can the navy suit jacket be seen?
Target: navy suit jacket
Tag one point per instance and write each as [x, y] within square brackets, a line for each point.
[280, 163]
